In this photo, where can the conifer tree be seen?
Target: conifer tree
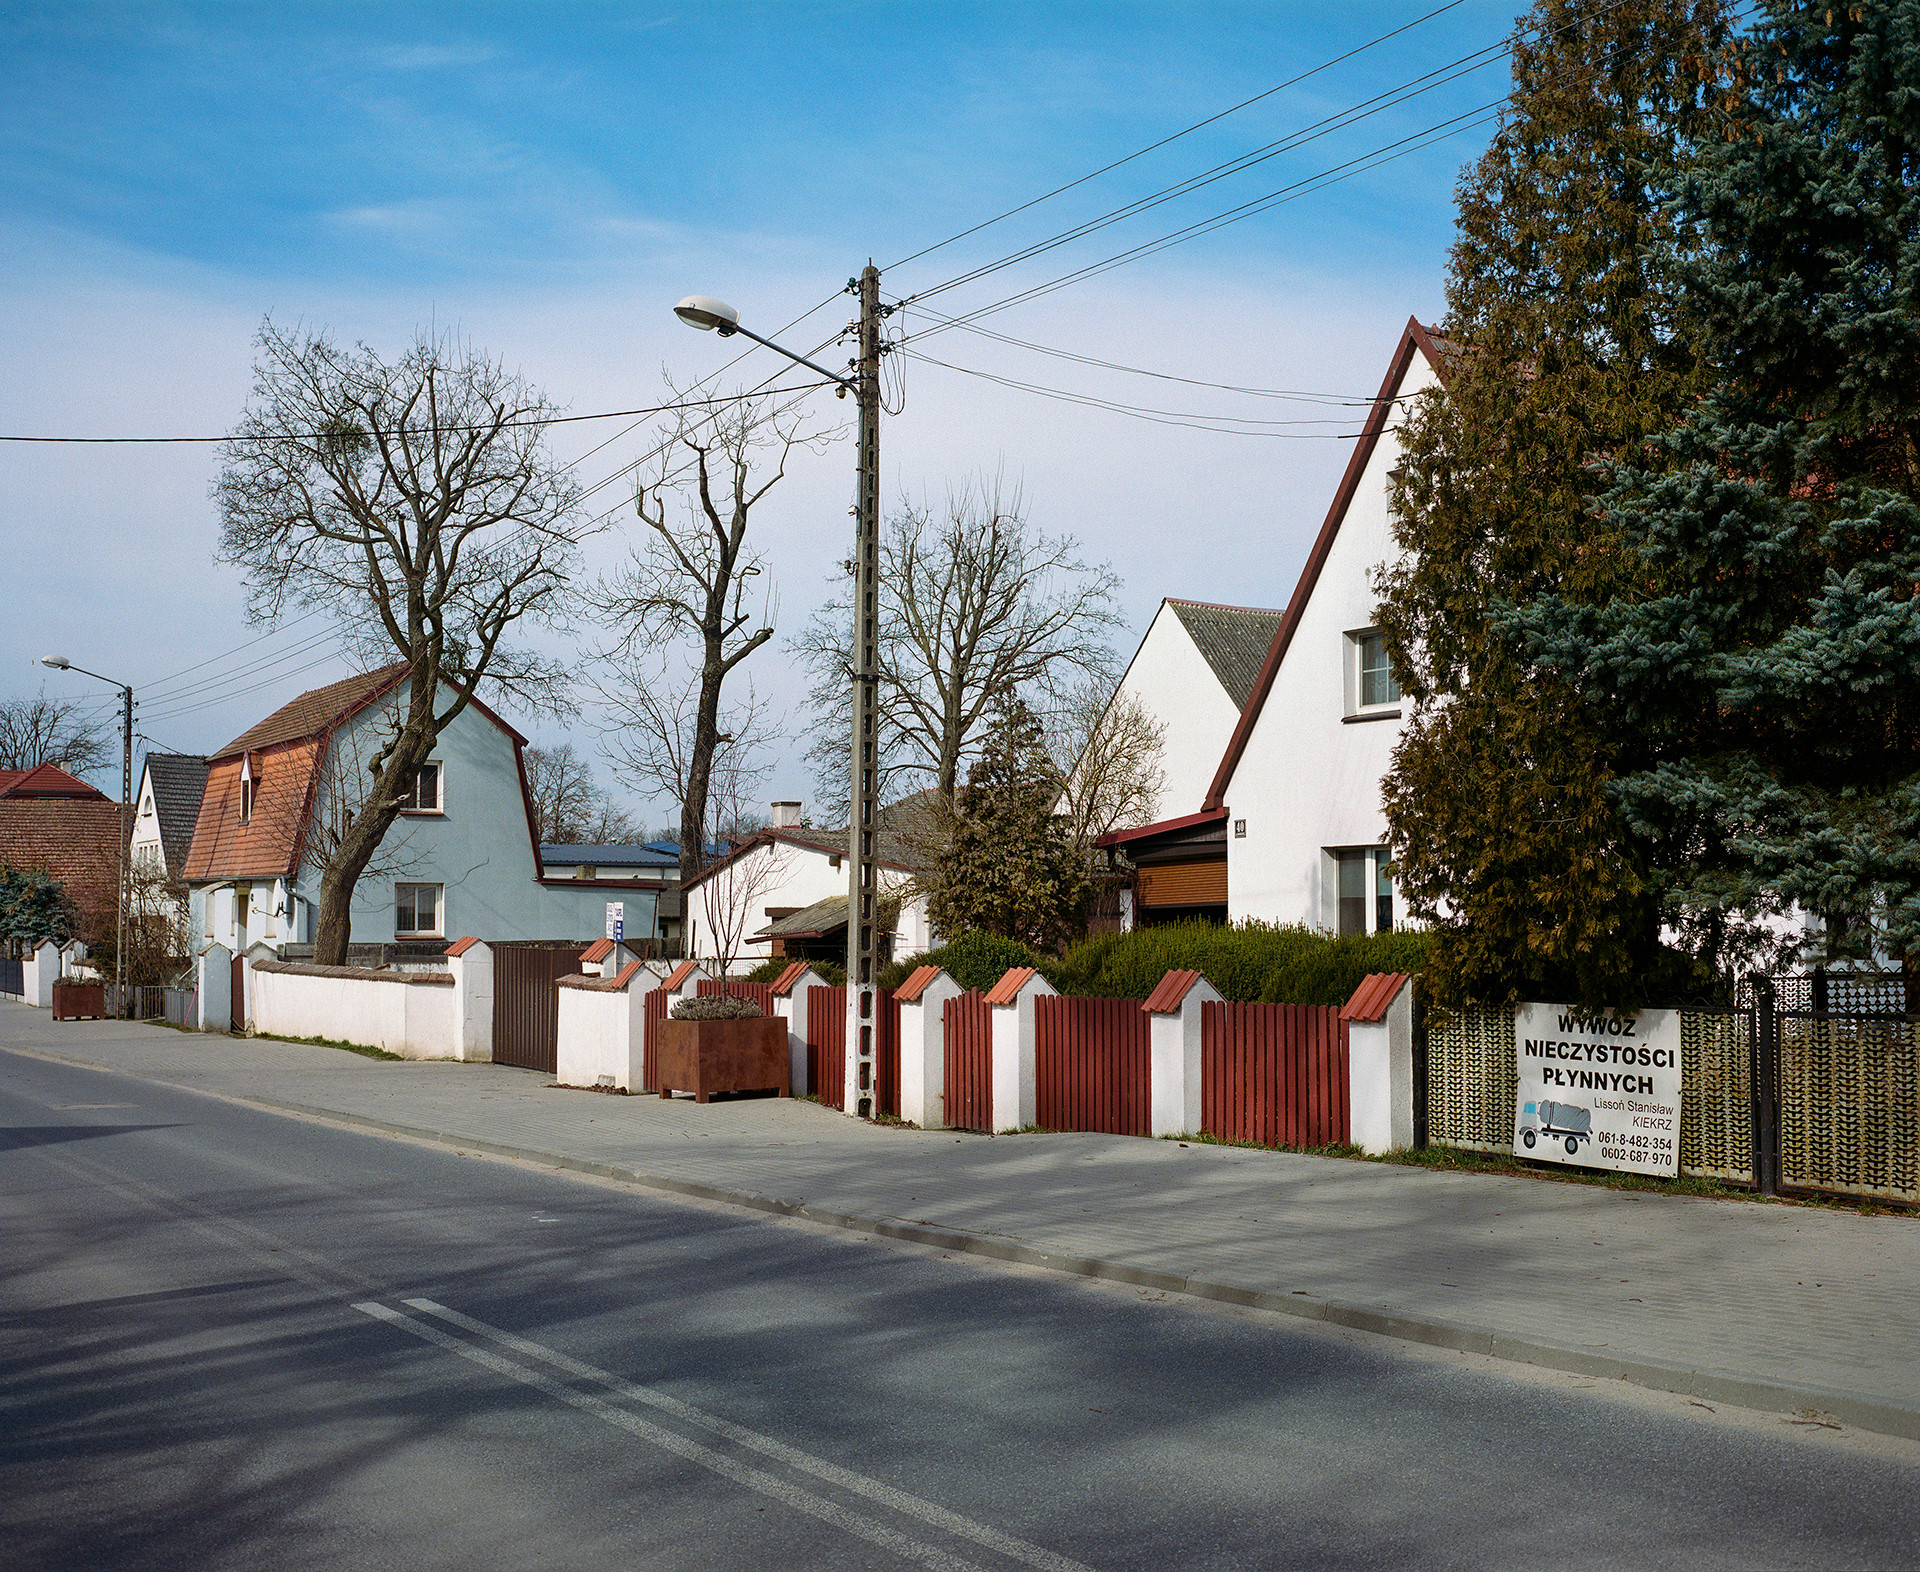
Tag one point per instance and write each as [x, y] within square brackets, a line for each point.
[1570, 340]
[1765, 671]
[1010, 867]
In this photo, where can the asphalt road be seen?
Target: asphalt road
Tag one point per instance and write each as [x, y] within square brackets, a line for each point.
[233, 1339]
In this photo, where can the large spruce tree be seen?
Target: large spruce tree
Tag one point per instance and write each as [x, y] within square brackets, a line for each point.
[1761, 665]
[1573, 342]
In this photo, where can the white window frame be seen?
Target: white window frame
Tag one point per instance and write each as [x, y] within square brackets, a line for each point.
[1330, 873]
[438, 931]
[440, 781]
[1353, 709]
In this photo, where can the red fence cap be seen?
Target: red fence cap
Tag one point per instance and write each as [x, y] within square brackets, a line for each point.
[599, 950]
[785, 983]
[1172, 990]
[678, 975]
[461, 946]
[1007, 989]
[1373, 997]
[916, 984]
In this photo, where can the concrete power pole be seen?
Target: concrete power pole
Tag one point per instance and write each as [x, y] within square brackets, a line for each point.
[863, 891]
[126, 834]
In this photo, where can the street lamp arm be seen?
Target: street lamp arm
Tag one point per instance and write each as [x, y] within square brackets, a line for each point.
[845, 384]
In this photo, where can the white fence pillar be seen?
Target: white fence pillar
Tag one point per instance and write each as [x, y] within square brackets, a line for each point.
[683, 982]
[790, 1004]
[1379, 1020]
[471, 962]
[39, 972]
[214, 977]
[1173, 1052]
[923, 1046]
[1011, 1003]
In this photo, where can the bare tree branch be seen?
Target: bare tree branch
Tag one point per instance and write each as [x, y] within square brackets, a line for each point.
[40, 731]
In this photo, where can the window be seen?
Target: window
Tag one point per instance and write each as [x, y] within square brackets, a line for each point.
[1364, 891]
[246, 787]
[416, 909]
[1370, 683]
[425, 796]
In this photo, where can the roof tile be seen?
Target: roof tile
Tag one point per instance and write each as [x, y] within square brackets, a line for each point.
[315, 710]
[1375, 995]
[909, 991]
[1007, 989]
[596, 952]
[268, 844]
[77, 841]
[678, 976]
[1234, 640]
[1171, 992]
[788, 980]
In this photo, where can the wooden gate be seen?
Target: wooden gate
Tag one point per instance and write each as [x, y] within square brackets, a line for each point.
[237, 1001]
[1274, 1073]
[656, 1012]
[967, 1023]
[827, 1047]
[1090, 1064]
[526, 1002]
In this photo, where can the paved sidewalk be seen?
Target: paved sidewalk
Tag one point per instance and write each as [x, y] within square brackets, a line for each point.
[1776, 1307]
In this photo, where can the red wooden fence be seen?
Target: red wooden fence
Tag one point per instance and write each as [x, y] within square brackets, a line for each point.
[649, 1059]
[827, 1047]
[1090, 1064]
[1274, 1073]
[760, 993]
[967, 1025]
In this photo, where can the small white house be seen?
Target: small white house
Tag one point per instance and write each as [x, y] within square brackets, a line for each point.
[165, 811]
[1289, 826]
[462, 858]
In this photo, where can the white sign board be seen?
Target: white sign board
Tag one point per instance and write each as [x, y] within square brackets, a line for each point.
[616, 920]
[1599, 1091]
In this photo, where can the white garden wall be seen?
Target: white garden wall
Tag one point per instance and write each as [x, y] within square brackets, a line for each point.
[413, 1014]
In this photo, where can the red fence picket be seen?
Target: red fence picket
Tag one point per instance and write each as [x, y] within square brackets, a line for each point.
[967, 1024]
[827, 1047]
[649, 1058]
[1090, 1064]
[1274, 1073]
[760, 993]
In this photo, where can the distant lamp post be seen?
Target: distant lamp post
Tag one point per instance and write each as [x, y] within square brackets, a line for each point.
[61, 663]
[863, 892]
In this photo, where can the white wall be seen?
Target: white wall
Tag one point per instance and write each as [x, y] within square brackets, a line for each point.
[788, 876]
[415, 1019]
[1308, 779]
[1173, 682]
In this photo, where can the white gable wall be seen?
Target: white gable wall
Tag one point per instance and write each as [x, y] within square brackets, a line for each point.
[1173, 683]
[1308, 780]
[796, 877]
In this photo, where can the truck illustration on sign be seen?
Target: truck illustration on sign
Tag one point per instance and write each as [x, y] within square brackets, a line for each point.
[1556, 1121]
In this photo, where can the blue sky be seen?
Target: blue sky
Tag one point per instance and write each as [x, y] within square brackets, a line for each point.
[548, 180]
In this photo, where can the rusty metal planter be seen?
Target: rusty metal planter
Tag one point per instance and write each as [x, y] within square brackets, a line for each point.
[78, 1001]
[704, 1057]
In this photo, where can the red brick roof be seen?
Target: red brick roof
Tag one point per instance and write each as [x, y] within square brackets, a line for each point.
[76, 841]
[47, 780]
[1373, 997]
[1007, 989]
[268, 845]
[1170, 992]
[316, 710]
[909, 991]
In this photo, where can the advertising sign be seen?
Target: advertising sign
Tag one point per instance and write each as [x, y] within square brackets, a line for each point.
[1599, 1091]
[616, 920]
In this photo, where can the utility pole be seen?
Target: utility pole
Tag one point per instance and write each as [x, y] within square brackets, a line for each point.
[863, 892]
[126, 834]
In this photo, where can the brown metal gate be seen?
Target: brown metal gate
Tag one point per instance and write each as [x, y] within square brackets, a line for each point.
[656, 1006]
[237, 1004]
[1090, 1064]
[1274, 1073]
[526, 1002]
[967, 1023]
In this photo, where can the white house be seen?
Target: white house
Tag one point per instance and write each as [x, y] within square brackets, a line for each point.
[462, 858]
[165, 811]
[1289, 827]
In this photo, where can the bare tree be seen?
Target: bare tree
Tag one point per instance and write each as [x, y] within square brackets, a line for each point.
[344, 784]
[1108, 746]
[731, 897]
[570, 807]
[977, 608]
[40, 731]
[651, 732]
[689, 584]
[415, 500]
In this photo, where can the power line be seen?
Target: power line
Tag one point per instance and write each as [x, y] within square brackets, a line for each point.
[1164, 141]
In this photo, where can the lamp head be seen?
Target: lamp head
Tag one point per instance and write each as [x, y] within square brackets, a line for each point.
[704, 312]
[57, 662]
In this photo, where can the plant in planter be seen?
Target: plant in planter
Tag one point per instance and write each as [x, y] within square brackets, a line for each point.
[721, 1043]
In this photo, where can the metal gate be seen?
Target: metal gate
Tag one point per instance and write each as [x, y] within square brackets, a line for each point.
[1090, 1064]
[657, 1004]
[1274, 1073]
[526, 1002]
[237, 995]
[968, 1027]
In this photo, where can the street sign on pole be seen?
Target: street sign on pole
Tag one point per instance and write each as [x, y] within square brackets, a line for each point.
[616, 920]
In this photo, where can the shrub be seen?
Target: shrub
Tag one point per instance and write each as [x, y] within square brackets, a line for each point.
[1272, 962]
[717, 1007]
[974, 960]
[769, 971]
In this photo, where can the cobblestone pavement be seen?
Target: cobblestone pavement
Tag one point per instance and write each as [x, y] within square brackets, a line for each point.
[1819, 1299]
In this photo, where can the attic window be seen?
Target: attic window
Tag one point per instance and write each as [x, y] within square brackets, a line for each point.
[425, 796]
[246, 788]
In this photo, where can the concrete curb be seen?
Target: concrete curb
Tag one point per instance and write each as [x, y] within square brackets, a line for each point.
[1722, 1386]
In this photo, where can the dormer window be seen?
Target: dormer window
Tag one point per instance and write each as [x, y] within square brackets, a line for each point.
[246, 787]
[425, 796]
[1370, 686]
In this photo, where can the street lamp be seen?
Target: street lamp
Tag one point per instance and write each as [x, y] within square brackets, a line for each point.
[863, 892]
[61, 663]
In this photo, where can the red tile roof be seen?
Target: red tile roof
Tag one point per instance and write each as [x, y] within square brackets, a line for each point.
[76, 841]
[1373, 997]
[1170, 992]
[1007, 989]
[678, 975]
[461, 946]
[268, 845]
[785, 983]
[599, 950]
[909, 991]
[47, 780]
[316, 710]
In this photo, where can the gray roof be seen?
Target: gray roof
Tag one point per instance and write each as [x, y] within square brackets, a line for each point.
[1234, 640]
[822, 917]
[179, 782]
[611, 856]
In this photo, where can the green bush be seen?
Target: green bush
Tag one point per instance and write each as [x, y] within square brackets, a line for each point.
[974, 960]
[769, 971]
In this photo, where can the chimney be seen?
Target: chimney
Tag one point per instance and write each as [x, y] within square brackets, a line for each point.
[786, 815]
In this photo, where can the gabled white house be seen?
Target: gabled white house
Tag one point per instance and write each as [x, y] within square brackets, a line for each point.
[462, 858]
[1289, 827]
